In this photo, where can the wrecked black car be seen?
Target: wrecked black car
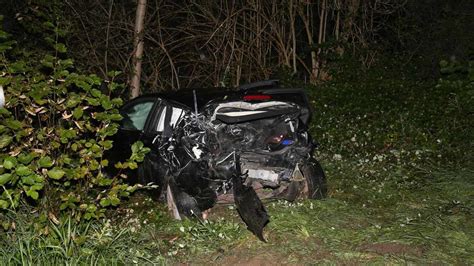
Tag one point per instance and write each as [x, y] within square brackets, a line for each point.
[237, 146]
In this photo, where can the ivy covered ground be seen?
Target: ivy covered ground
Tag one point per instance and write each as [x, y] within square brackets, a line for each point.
[397, 148]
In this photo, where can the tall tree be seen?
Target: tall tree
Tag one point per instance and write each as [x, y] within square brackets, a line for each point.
[138, 51]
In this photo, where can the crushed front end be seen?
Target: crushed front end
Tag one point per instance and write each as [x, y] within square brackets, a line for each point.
[239, 151]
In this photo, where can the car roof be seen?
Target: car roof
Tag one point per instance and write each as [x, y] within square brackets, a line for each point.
[218, 94]
[186, 96]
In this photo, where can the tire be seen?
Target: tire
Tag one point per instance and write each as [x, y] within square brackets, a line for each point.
[310, 183]
[316, 186]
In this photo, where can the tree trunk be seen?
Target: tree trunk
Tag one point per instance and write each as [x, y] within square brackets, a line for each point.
[292, 12]
[338, 19]
[306, 17]
[2, 97]
[138, 51]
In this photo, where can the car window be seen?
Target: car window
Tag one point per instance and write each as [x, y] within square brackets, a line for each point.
[134, 117]
[176, 114]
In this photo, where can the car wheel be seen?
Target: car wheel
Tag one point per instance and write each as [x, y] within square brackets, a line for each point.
[309, 182]
[315, 180]
[180, 203]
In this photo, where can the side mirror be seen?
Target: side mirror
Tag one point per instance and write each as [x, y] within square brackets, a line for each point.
[2, 97]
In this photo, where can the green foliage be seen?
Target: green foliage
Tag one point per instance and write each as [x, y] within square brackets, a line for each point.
[54, 130]
[138, 154]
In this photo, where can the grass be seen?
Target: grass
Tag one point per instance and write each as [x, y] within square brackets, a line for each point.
[397, 152]
[71, 243]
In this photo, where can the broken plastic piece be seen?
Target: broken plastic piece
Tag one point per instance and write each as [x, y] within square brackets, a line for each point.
[249, 205]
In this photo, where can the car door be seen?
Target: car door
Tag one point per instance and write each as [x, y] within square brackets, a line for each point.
[136, 118]
[158, 131]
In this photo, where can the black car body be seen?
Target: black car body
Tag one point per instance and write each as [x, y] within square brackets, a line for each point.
[215, 145]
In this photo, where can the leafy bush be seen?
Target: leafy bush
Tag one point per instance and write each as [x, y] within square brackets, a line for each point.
[54, 130]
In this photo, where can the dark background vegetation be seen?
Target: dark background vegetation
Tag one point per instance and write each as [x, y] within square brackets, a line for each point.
[392, 87]
[209, 43]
